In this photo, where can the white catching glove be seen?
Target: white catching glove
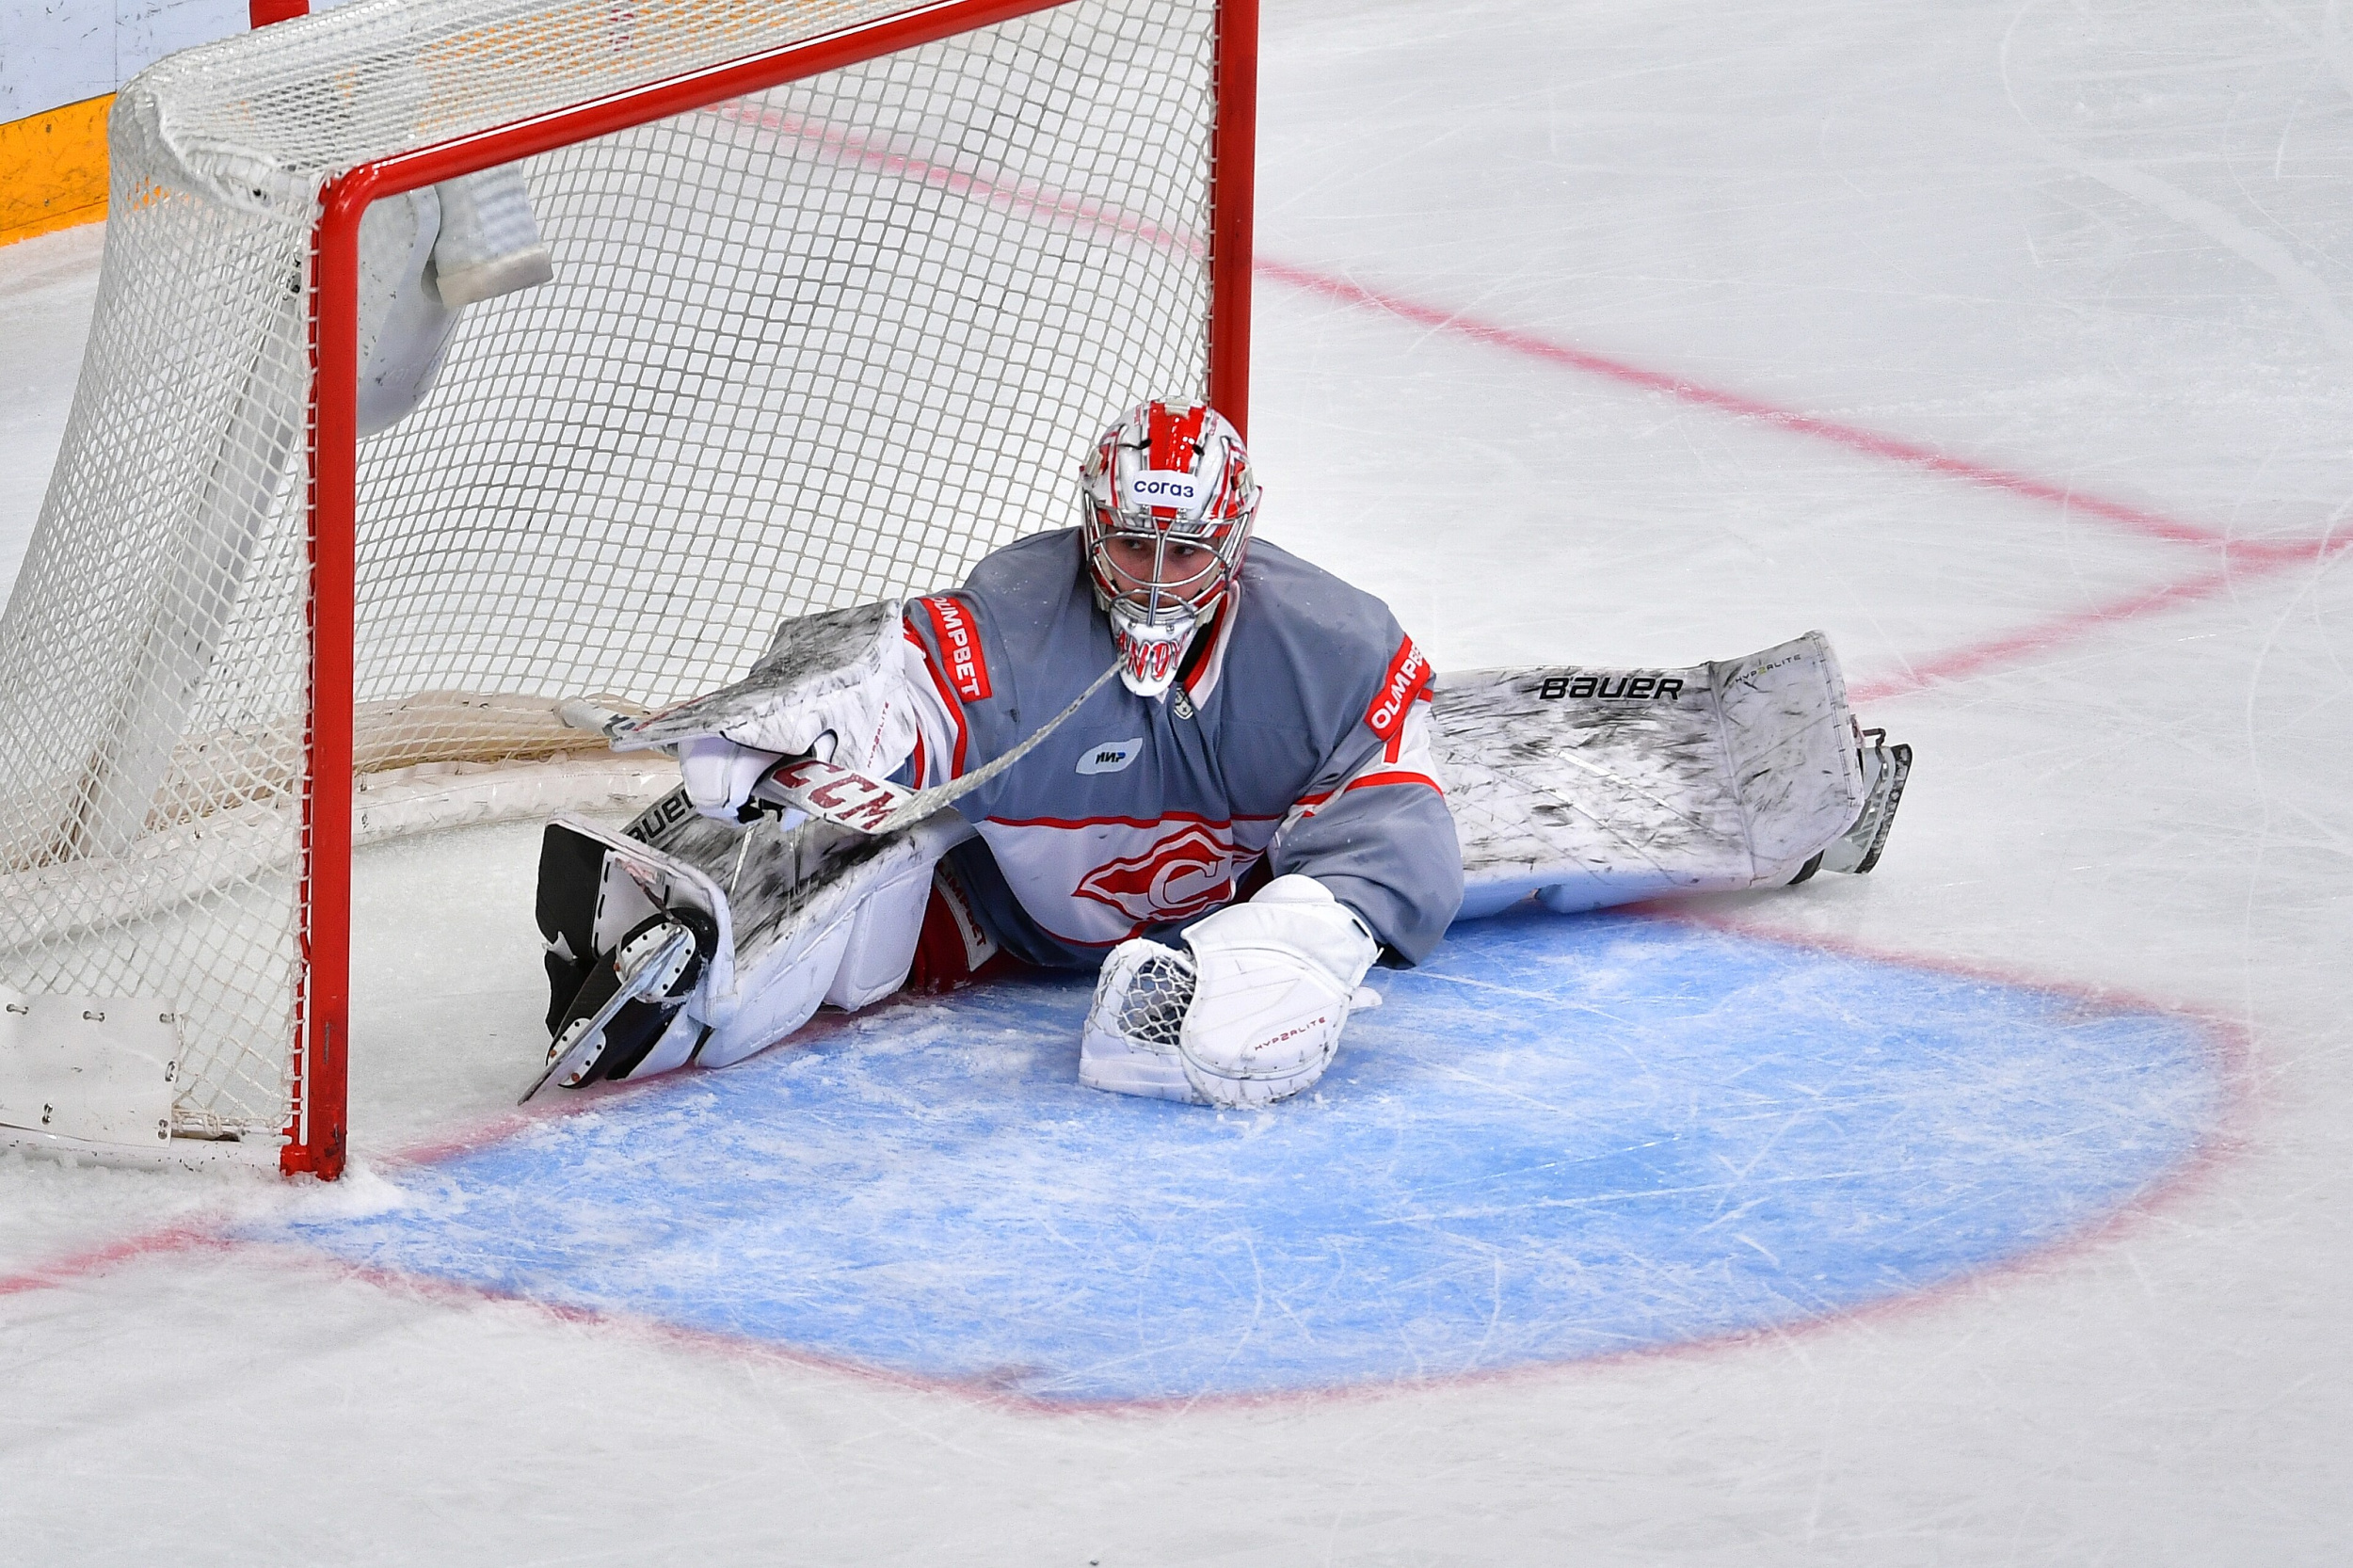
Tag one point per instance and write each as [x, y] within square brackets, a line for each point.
[720, 775]
[1257, 1019]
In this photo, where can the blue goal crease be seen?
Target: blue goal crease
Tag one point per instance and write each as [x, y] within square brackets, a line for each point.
[1560, 1138]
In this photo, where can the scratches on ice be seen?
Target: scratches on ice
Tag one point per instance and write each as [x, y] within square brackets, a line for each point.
[1562, 1137]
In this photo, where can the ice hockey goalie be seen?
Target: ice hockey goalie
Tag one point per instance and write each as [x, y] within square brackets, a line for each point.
[1150, 747]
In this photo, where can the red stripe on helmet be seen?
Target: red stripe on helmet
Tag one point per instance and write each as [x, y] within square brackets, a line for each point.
[1175, 436]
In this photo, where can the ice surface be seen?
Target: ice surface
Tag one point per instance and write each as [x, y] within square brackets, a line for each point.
[1557, 1139]
[2098, 247]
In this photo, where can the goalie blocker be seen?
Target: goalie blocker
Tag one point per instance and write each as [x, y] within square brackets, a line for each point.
[1582, 787]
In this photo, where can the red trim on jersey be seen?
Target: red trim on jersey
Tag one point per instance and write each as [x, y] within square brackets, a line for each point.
[947, 700]
[1207, 668]
[1394, 775]
[1409, 673]
[960, 645]
[951, 948]
[1396, 748]
[1131, 821]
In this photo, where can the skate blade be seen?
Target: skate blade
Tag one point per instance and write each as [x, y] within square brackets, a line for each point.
[1899, 766]
[1859, 849]
[580, 1060]
[569, 1068]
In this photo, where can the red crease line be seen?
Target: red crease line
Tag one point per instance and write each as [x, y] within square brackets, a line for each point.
[179, 1237]
[2193, 1173]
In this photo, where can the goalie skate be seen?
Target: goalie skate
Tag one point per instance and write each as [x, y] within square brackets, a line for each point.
[625, 1004]
[1885, 768]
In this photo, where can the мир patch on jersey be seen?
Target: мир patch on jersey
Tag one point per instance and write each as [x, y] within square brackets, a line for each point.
[1560, 1139]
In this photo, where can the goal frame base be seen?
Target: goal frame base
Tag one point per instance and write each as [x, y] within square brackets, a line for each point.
[176, 1154]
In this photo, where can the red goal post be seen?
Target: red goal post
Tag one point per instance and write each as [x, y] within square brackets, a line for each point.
[317, 1135]
[111, 939]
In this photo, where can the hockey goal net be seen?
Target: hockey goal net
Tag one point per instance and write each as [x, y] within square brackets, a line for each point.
[840, 289]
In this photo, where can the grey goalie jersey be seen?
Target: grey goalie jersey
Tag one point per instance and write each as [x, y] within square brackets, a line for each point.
[1299, 741]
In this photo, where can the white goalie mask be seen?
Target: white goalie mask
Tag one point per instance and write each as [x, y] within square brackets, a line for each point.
[1166, 499]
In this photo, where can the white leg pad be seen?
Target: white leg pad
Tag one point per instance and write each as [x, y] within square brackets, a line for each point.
[1593, 787]
[881, 945]
[841, 930]
[778, 994]
[671, 1051]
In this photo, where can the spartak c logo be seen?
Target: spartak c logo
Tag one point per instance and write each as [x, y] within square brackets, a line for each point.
[1181, 875]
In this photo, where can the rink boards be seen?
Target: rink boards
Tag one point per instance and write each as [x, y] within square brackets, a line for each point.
[1562, 1137]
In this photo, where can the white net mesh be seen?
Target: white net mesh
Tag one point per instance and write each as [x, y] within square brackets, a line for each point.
[1150, 1009]
[803, 349]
